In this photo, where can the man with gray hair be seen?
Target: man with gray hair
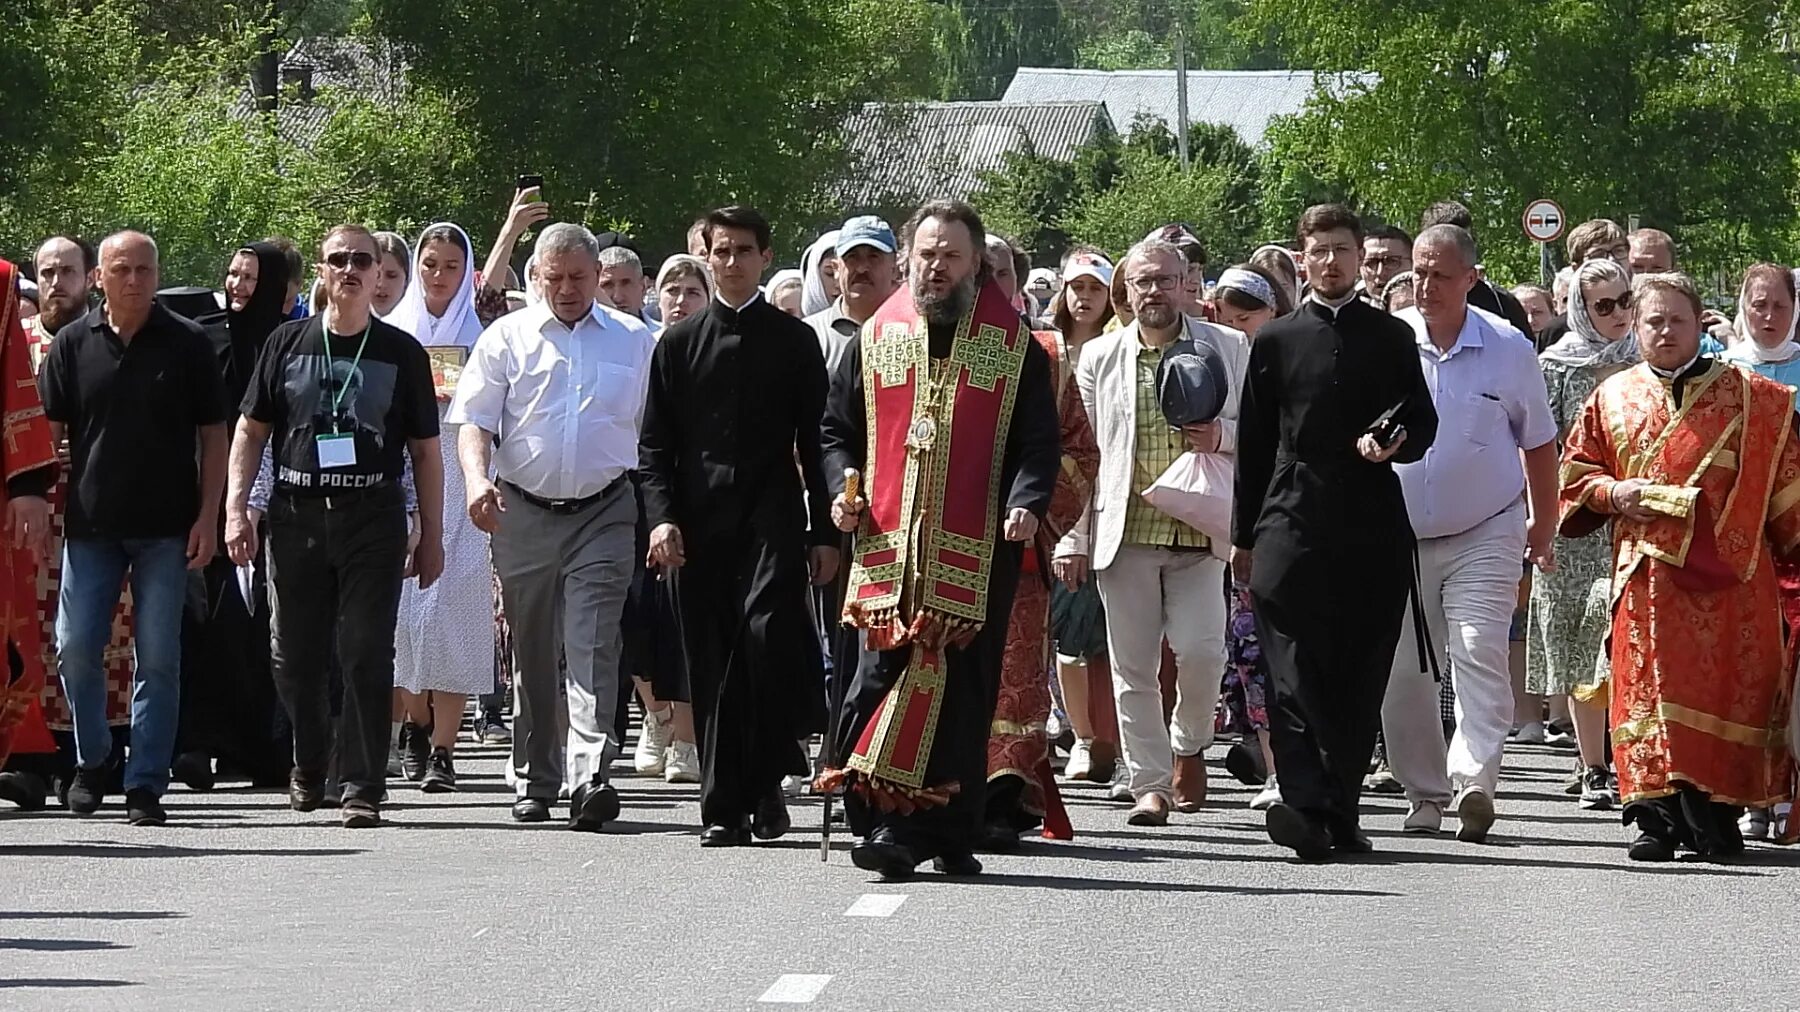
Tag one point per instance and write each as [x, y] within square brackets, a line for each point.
[550, 404]
[622, 282]
[1158, 576]
[1467, 500]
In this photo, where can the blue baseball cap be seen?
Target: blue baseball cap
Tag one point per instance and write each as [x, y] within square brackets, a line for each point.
[866, 230]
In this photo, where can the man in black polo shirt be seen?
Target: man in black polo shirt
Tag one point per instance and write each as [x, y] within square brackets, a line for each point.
[344, 396]
[135, 389]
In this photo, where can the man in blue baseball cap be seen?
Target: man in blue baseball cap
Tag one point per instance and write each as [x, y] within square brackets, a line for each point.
[868, 272]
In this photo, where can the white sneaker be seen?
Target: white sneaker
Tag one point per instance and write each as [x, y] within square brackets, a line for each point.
[1424, 817]
[1530, 734]
[681, 763]
[1754, 824]
[1120, 788]
[653, 742]
[1081, 761]
[1266, 798]
[792, 786]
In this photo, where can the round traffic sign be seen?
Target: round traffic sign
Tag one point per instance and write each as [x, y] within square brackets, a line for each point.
[1543, 221]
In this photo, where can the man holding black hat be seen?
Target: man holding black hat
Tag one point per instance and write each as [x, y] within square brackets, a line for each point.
[1158, 576]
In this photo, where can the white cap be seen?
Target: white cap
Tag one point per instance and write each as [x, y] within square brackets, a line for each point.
[1088, 265]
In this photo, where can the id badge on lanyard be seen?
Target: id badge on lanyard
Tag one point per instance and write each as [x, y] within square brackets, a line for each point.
[338, 449]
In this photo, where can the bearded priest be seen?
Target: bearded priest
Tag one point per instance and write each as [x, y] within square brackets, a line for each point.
[942, 444]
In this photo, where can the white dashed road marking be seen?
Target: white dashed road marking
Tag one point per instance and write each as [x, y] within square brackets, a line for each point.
[795, 988]
[876, 905]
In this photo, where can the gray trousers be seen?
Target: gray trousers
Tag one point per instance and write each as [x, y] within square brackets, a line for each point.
[563, 581]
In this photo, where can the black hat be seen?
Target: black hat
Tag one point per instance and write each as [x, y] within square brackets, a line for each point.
[1191, 382]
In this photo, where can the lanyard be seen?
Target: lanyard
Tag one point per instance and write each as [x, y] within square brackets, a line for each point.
[337, 397]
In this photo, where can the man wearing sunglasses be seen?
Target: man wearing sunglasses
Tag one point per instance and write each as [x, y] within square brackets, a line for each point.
[1496, 447]
[1387, 251]
[344, 397]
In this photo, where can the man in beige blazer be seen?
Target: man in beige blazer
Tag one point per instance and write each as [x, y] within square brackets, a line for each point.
[1159, 577]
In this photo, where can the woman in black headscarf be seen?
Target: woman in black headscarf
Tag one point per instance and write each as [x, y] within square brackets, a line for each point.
[228, 704]
[256, 284]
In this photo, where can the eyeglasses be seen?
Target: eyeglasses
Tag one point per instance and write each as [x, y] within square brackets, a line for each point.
[1380, 263]
[345, 259]
[1605, 307]
[1157, 282]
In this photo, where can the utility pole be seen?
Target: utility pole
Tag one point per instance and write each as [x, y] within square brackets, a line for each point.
[1181, 86]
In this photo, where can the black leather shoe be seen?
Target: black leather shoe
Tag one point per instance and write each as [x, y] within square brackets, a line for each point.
[531, 810]
[1651, 848]
[959, 865]
[884, 855]
[998, 838]
[771, 820]
[305, 794]
[27, 790]
[1351, 840]
[1298, 832]
[142, 808]
[195, 769]
[721, 835]
[592, 806]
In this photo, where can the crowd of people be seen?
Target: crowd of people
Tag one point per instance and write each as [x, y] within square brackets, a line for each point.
[901, 524]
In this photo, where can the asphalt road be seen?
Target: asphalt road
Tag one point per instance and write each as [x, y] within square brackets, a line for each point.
[242, 904]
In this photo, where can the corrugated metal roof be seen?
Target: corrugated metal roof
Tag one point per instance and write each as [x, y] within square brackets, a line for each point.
[354, 65]
[939, 149]
[1243, 99]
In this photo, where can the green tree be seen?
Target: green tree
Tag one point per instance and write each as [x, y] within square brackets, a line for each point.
[981, 43]
[1684, 112]
[1152, 190]
[1026, 198]
[663, 108]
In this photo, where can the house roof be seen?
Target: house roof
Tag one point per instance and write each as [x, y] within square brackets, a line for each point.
[939, 149]
[1243, 99]
[317, 63]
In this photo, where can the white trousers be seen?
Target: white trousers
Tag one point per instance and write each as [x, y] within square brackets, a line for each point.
[1469, 584]
[1153, 594]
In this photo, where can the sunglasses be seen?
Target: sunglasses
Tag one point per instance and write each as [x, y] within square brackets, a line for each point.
[345, 259]
[1605, 307]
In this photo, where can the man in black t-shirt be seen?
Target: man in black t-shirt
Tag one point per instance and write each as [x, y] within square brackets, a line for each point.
[344, 397]
[138, 393]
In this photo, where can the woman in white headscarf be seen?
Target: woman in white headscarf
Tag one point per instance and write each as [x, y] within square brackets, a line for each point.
[818, 269]
[785, 292]
[444, 644]
[1766, 346]
[1571, 606]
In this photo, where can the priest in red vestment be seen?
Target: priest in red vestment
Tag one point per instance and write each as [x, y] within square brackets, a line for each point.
[1695, 464]
[945, 410]
[27, 466]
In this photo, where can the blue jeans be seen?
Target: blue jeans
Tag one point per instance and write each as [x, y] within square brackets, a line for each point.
[93, 572]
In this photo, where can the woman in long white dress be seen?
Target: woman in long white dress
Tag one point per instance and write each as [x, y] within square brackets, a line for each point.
[444, 643]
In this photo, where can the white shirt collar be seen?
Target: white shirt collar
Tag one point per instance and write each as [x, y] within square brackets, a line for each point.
[1335, 307]
[1470, 336]
[547, 316]
[1685, 366]
[721, 300]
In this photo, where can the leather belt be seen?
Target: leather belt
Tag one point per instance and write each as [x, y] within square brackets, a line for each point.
[564, 507]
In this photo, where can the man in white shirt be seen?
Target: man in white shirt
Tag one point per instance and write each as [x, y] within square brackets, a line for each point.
[1496, 447]
[1159, 577]
[561, 385]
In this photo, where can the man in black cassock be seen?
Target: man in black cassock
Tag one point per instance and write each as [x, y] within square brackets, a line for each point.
[1320, 506]
[914, 727]
[730, 435]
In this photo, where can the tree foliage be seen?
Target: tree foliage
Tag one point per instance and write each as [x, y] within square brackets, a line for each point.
[1685, 112]
[663, 108]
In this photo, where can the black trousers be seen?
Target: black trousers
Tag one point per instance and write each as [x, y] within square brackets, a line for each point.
[754, 668]
[334, 577]
[1328, 655]
[229, 708]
